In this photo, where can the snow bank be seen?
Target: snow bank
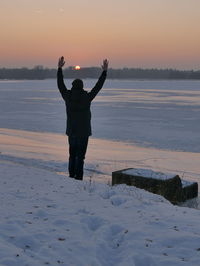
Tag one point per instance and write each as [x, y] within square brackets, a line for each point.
[50, 219]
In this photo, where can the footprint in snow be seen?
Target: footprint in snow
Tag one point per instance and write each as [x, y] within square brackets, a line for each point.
[93, 222]
[116, 201]
[114, 235]
[107, 194]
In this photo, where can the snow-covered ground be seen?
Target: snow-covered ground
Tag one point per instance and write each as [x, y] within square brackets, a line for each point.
[50, 219]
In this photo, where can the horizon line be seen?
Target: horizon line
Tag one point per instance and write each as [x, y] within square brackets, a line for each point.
[111, 68]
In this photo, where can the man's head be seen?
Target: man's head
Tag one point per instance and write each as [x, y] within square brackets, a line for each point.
[77, 84]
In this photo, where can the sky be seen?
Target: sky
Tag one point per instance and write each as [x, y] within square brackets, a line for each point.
[130, 33]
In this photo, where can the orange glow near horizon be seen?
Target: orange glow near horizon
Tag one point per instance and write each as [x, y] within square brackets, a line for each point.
[129, 33]
[77, 68]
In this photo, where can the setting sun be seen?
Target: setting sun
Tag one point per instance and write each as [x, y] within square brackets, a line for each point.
[77, 67]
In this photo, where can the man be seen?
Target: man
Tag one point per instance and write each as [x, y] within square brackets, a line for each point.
[78, 102]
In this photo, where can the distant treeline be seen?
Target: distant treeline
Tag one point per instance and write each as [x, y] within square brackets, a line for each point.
[39, 72]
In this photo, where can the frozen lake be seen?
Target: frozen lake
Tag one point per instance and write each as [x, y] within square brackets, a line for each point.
[160, 114]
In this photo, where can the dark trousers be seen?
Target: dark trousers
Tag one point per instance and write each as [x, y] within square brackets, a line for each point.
[77, 151]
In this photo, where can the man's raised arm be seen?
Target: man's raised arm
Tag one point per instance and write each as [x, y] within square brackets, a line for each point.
[60, 82]
[100, 81]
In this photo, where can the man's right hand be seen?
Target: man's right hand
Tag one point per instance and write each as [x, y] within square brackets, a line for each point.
[61, 61]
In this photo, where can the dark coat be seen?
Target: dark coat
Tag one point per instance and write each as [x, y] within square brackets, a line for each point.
[78, 103]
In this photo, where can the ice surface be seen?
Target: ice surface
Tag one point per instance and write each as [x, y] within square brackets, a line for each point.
[161, 114]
